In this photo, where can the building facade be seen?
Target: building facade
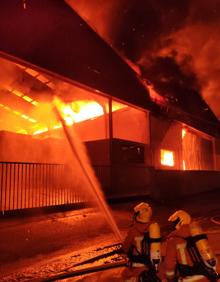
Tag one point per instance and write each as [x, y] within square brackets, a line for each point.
[135, 145]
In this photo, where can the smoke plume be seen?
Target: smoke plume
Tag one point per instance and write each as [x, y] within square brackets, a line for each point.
[175, 43]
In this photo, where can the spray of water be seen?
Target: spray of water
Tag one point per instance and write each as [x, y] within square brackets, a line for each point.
[79, 153]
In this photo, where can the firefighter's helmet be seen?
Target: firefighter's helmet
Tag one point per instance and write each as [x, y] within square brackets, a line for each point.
[180, 218]
[142, 212]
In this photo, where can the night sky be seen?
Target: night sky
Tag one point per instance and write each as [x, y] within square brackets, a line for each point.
[174, 43]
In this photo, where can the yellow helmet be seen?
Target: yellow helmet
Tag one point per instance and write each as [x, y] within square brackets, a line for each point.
[180, 218]
[143, 212]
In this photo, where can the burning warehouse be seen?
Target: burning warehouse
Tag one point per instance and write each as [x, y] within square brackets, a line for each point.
[58, 74]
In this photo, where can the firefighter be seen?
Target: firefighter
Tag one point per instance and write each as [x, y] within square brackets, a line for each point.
[142, 251]
[188, 256]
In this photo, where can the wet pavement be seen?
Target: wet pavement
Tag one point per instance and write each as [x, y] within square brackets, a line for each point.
[44, 246]
[205, 208]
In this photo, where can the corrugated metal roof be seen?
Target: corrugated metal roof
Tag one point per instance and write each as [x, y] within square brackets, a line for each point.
[49, 34]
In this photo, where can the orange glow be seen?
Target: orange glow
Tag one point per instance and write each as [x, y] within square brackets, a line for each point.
[7, 108]
[17, 93]
[57, 126]
[84, 110]
[50, 84]
[32, 120]
[22, 131]
[78, 111]
[42, 78]
[166, 158]
[43, 119]
[184, 165]
[157, 98]
[37, 75]
[24, 116]
[45, 129]
[35, 103]
[31, 72]
[23, 96]
[67, 114]
[183, 133]
[118, 106]
[26, 98]
[65, 111]
[16, 113]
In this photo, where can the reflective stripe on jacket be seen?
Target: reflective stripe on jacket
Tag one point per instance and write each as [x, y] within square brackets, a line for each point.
[134, 239]
[176, 253]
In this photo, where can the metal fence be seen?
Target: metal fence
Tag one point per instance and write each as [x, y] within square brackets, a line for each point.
[34, 185]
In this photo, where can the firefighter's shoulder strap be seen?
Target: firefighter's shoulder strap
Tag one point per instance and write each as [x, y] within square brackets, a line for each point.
[191, 240]
[199, 267]
[140, 255]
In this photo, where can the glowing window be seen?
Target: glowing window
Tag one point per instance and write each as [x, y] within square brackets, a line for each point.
[166, 157]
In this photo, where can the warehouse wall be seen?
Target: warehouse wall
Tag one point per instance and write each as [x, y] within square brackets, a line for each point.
[170, 185]
[166, 135]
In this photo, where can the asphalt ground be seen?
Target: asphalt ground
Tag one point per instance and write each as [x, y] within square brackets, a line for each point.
[43, 239]
[205, 208]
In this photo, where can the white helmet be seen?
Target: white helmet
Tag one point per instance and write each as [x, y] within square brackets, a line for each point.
[143, 212]
[180, 218]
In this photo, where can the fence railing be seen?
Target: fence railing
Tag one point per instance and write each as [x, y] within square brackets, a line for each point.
[34, 185]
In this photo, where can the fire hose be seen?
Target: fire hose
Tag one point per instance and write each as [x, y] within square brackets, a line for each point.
[91, 269]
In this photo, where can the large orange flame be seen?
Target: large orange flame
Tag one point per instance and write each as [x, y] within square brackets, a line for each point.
[78, 111]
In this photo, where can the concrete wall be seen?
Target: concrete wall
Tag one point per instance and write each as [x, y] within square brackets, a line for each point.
[123, 179]
[99, 152]
[170, 185]
[130, 180]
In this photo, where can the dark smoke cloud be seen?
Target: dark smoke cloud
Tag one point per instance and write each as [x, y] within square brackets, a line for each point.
[204, 11]
[139, 27]
[175, 43]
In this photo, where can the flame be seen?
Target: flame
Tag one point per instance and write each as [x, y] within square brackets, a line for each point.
[184, 165]
[68, 114]
[167, 157]
[183, 133]
[78, 111]
[42, 118]
[157, 98]
[86, 110]
[65, 111]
